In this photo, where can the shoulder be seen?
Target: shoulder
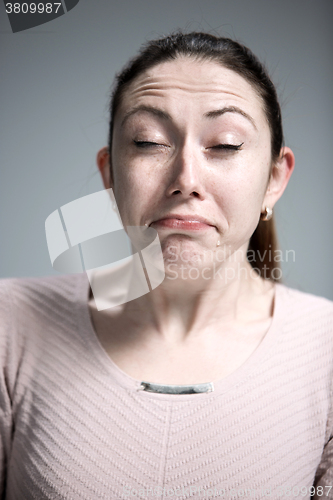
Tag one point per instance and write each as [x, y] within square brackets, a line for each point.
[306, 305]
[307, 320]
[52, 286]
[35, 293]
[30, 305]
[37, 316]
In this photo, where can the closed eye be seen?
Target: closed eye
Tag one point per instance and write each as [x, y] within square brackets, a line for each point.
[146, 144]
[231, 147]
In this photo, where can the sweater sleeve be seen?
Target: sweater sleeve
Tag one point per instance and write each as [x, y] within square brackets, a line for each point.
[6, 424]
[323, 482]
[324, 476]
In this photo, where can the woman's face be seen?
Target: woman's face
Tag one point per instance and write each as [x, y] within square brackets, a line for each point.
[191, 140]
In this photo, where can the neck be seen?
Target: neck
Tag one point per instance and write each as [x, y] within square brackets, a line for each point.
[192, 299]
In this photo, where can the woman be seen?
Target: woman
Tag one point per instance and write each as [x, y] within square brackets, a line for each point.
[218, 381]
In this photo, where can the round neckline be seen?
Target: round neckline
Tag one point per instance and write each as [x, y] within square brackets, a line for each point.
[125, 380]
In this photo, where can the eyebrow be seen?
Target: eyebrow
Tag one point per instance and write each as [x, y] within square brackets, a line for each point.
[230, 109]
[165, 116]
[148, 109]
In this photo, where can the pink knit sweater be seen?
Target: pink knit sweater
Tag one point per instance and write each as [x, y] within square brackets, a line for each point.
[74, 426]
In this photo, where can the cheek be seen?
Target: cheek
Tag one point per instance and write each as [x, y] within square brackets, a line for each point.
[135, 172]
[240, 193]
[137, 184]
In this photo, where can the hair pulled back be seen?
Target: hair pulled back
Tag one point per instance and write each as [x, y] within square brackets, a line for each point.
[236, 57]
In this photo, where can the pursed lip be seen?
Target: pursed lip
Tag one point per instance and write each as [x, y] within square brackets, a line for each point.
[191, 218]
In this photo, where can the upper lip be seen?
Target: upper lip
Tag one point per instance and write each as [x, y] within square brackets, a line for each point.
[192, 217]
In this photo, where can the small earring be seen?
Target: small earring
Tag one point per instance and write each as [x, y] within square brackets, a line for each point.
[267, 214]
[146, 224]
[218, 243]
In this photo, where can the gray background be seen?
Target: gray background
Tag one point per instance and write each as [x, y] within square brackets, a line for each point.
[55, 82]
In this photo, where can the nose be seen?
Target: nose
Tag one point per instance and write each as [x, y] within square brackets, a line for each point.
[186, 174]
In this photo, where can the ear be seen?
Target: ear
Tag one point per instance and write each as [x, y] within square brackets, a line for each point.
[103, 163]
[279, 178]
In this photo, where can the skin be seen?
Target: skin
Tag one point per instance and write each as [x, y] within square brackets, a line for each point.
[192, 330]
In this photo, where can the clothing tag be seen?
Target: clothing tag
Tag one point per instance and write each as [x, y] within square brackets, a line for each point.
[177, 389]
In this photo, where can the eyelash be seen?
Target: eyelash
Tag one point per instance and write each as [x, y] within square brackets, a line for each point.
[146, 144]
[230, 147]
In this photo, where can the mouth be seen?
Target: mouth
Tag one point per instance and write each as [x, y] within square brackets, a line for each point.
[184, 222]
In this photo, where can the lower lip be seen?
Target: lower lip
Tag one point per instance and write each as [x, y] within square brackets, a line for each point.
[186, 225]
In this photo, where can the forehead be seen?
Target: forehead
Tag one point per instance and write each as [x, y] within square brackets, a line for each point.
[189, 84]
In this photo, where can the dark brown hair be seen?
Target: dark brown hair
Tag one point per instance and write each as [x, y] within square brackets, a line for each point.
[234, 56]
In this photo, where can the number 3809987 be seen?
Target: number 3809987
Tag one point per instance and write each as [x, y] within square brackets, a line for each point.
[32, 8]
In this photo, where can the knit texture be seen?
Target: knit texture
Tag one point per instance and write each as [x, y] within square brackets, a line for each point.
[74, 426]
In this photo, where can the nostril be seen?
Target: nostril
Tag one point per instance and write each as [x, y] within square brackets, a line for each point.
[176, 192]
